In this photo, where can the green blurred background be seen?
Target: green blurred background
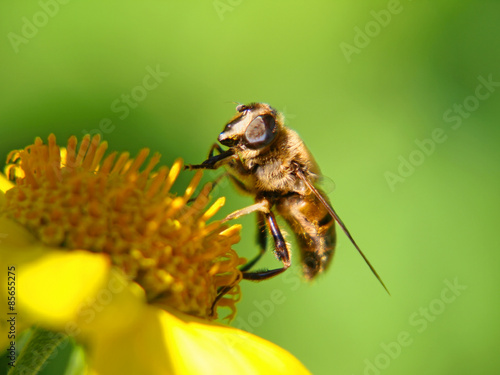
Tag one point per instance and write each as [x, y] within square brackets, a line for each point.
[364, 85]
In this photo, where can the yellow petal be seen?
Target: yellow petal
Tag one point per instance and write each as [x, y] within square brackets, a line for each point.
[17, 247]
[161, 342]
[75, 292]
[50, 284]
[13, 235]
[209, 348]
[53, 288]
[139, 348]
[116, 305]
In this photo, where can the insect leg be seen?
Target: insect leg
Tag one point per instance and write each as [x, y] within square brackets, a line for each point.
[214, 162]
[217, 147]
[221, 292]
[261, 240]
[262, 206]
[281, 250]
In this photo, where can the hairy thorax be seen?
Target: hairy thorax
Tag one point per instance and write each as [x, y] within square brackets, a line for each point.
[271, 169]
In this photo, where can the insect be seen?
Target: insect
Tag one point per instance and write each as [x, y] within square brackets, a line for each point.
[270, 162]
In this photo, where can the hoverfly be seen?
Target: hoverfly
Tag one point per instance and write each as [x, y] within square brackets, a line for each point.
[267, 160]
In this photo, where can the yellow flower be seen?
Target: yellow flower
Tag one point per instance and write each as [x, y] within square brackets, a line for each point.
[99, 249]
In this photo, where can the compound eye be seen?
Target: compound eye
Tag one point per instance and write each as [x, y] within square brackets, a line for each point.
[241, 108]
[261, 131]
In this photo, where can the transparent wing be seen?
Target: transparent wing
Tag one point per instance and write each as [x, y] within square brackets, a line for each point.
[332, 212]
[325, 184]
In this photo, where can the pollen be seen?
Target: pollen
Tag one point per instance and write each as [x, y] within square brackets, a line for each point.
[76, 198]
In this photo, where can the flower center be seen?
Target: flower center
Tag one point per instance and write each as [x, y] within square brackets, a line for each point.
[77, 199]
